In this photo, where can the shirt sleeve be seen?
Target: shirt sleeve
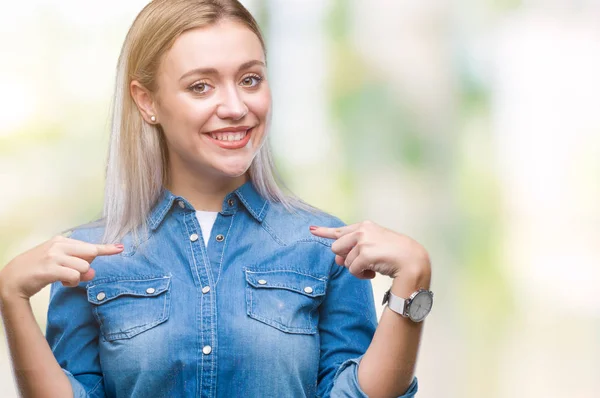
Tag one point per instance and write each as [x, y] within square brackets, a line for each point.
[72, 334]
[347, 324]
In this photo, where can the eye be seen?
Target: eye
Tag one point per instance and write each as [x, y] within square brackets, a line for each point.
[200, 88]
[251, 81]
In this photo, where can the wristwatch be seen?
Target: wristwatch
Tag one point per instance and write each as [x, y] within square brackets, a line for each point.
[416, 307]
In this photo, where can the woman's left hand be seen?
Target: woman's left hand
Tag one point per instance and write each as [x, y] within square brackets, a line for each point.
[366, 248]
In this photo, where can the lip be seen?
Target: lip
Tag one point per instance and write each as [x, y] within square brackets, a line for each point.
[232, 144]
[235, 129]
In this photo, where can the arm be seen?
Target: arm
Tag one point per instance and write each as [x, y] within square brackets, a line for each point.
[36, 371]
[74, 341]
[387, 367]
[347, 321]
[72, 334]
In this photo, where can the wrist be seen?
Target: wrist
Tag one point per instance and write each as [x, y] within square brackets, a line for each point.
[13, 303]
[9, 297]
[407, 283]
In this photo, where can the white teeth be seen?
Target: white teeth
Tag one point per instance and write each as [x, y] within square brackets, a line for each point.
[229, 136]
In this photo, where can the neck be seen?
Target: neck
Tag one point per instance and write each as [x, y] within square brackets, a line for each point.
[206, 192]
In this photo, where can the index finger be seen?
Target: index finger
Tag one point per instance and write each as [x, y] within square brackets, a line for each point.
[334, 232]
[109, 250]
[81, 249]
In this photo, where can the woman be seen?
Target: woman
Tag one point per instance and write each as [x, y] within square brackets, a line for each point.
[222, 285]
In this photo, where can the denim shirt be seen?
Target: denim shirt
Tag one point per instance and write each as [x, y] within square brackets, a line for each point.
[263, 311]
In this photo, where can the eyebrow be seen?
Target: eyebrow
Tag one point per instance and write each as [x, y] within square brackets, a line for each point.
[213, 71]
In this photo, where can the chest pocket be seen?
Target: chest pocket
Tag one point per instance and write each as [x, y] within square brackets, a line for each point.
[125, 308]
[287, 300]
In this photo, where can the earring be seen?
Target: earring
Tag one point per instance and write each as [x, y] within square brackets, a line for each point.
[153, 119]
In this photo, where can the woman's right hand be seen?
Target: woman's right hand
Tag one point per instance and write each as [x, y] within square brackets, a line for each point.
[59, 259]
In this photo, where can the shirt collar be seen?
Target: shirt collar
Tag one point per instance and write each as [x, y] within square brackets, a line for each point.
[252, 200]
[256, 205]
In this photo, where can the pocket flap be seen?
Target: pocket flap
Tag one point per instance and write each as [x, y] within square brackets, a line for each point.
[105, 291]
[285, 279]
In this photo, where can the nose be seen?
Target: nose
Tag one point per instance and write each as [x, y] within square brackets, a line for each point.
[232, 105]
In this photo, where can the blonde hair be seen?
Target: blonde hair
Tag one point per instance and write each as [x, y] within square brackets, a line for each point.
[137, 161]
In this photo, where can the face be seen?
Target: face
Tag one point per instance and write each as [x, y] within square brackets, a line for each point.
[213, 101]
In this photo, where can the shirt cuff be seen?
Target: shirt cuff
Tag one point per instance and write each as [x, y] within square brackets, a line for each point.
[78, 389]
[345, 382]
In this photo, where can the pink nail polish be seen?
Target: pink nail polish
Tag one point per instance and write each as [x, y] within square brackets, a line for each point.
[312, 227]
[119, 246]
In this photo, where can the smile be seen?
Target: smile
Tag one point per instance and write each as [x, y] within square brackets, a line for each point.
[226, 136]
[231, 138]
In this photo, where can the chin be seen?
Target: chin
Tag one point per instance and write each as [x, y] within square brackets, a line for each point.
[235, 171]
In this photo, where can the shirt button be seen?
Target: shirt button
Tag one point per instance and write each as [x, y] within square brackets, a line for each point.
[181, 204]
[231, 202]
[262, 282]
[220, 238]
[206, 289]
[194, 237]
[308, 289]
[207, 349]
[101, 296]
[150, 290]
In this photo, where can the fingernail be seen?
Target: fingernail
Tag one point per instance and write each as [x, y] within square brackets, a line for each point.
[119, 246]
[312, 227]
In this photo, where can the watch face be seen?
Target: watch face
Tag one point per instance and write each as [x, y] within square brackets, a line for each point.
[420, 306]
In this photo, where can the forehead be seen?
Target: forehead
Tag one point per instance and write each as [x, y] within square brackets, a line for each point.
[224, 46]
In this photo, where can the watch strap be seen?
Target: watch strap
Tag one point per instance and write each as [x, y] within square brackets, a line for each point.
[395, 303]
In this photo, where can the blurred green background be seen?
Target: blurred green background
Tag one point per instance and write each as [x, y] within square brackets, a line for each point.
[472, 126]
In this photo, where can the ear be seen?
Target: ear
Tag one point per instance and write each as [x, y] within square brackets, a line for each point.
[144, 101]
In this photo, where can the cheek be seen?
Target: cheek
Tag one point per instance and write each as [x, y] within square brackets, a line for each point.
[260, 105]
[198, 112]
[185, 111]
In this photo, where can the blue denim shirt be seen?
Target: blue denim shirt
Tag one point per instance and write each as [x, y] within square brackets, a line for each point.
[263, 311]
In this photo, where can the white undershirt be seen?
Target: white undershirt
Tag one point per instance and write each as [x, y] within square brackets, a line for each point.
[206, 220]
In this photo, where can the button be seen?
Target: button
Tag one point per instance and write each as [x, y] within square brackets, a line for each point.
[207, 349]
[101, 296]
[262, 282]
[220, 238]
[194, 237]
[206, 289]
[308, 289]
[150, 290]
[181, 204]
[231, 202]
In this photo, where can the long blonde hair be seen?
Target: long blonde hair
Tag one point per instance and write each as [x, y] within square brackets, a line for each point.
[137, 161]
